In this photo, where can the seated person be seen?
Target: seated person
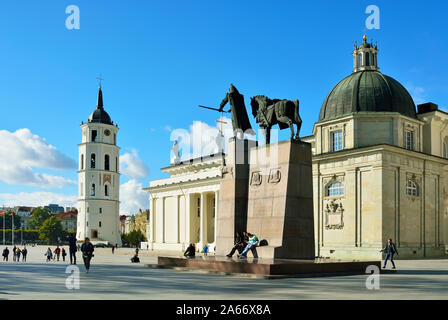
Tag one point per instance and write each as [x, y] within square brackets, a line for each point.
[239, 245]
[191, 251]
[253, 242]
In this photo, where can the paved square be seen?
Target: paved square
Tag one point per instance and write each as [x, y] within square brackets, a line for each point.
[115, 277]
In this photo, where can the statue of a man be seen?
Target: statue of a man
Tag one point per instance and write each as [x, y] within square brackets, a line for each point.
[240, 120]
[175, 159]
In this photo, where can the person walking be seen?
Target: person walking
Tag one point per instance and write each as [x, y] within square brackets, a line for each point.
[18, 252]
[58, 252]
[113, 249]
[64, 254]
[253, 242]
[5, 254]
[390, 249]
[24, 253]
[239, 245]
[14, 253]
[87, 253]
[72, 249]
[48, 255]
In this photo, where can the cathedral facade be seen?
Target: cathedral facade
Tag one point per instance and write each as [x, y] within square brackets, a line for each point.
[380, 171]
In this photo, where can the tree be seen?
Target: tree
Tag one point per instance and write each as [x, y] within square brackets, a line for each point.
[134, 237]
[8, 221]
[51, 229]
[38, 216]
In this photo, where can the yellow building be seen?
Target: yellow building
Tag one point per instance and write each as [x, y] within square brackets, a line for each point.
[379, 168]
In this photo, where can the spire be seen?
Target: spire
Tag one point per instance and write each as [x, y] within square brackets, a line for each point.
[99, 103]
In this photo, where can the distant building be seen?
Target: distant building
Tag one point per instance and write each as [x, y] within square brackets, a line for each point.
[54, 208]
[129, 224]
[122, 224]
[68, 220]
[25, 215]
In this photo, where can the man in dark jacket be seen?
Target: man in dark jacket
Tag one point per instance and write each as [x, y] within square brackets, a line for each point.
[72, 248]
[87, 253]
[190, 252]
[239, 244]
[5, 254]
[390, 249]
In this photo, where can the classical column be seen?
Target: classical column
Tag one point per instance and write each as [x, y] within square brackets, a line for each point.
[202, 231]
[216, 215]
[163, 219]
[178, 218]
[187, 219]
[151, 220]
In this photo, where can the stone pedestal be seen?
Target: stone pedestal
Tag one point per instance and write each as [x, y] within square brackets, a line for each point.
[233, 192]
[280, 202]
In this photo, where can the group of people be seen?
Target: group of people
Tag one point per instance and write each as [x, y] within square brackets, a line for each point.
[244, 242]
[16, 253]
[56, 254]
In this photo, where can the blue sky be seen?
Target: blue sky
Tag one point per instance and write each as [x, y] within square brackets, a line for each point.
[160, 59]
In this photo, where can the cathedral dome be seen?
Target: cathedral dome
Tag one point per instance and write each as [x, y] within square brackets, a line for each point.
[100, 115]
[367, 90]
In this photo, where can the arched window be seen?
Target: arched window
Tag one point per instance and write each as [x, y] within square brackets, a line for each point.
[335, 189]
[106, 190]
[92, 160]
[411, 188]
[106, 162]
[82, 162]
[92, 191]
[94, 135]
[359, 60]
[367, 61]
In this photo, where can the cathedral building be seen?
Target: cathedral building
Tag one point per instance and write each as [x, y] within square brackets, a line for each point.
[380, 170]
[99, 178]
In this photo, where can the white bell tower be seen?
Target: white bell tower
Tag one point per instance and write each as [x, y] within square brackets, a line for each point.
[99, 178]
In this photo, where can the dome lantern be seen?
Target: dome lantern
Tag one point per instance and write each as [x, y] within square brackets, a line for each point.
[365, 56]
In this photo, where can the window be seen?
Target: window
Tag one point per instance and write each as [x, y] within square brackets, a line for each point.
[359, 60]
[115, 138]
[82, 162]
[100, 224]
[92, 160]
[94, 135]
[409, 136]
[367, 56]
[106, 192]
[92, 191]
[444, 150]
[101, 210]
[336, 140]
[106, 162]
[116, 164]
[411, 188]
[335, 189]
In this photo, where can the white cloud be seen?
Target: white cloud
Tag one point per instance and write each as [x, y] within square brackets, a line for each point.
[202, 139]
[22, 151]
[132, 166]
[132, 197]
[35, 199]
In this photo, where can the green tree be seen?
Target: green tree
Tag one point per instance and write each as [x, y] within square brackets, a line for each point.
[38, 216]
[134, 237]
[51, 229]
[8, 221]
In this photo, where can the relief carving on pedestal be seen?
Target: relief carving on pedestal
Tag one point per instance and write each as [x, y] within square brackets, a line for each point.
[334, 215]
[274, 176]
[256, 178]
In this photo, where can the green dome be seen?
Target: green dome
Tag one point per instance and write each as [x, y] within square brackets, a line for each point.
[370, 91]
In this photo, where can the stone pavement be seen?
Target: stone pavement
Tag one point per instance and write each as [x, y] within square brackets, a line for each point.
[114, 277]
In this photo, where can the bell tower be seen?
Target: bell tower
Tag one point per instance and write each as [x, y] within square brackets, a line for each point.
[99, 178]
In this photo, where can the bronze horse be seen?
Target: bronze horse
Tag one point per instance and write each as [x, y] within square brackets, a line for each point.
[269, 112]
